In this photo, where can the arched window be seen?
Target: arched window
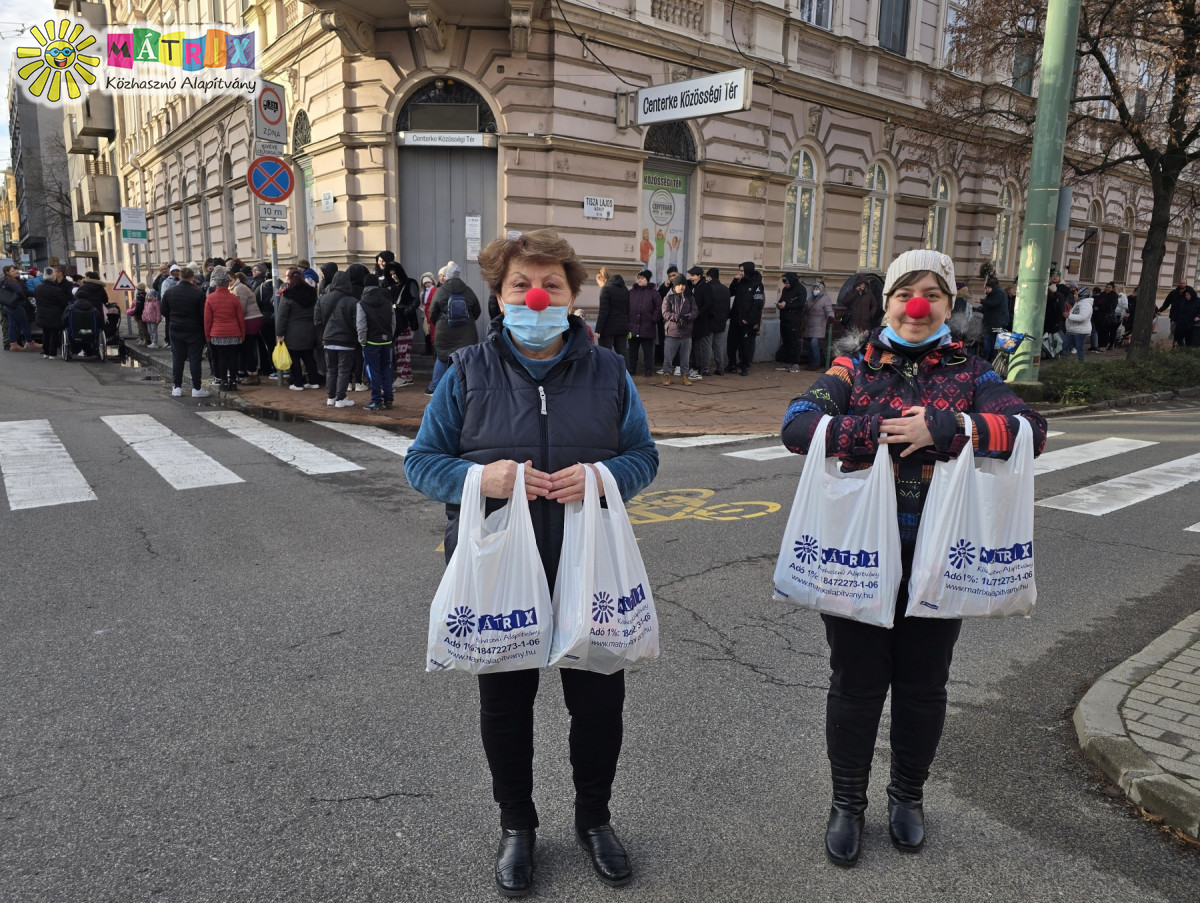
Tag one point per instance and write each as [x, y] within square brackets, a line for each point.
[937, 229]
[800, 210]
[1124, 249]
[874, 219]
[301, 131]
[671, 139]
[445, 105]
[1091, 244]
[1002, 243]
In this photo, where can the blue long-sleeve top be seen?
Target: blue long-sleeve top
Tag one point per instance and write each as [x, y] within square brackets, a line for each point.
[434, 468]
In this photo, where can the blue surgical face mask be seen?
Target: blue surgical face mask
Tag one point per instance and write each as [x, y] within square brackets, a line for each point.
[535, 329]
[939, 334]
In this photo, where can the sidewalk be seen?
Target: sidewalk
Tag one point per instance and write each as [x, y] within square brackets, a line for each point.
[1140, 723]
[716, 404]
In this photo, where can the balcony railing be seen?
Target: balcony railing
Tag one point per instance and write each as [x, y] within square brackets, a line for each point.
[681, 13]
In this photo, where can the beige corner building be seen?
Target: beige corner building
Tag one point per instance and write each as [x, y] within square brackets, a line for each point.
[429, 127]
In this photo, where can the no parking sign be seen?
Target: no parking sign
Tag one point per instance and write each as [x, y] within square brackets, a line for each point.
[270, 179]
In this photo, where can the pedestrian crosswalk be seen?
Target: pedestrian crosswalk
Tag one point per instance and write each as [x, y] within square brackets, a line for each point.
[39, 470]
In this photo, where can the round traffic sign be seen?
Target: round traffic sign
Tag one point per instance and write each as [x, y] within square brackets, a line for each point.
[270, 179]
[270, 105]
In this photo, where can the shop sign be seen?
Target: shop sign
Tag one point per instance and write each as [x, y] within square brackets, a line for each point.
[725, 92]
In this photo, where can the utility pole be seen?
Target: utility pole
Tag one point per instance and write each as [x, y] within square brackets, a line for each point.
[1045, 177]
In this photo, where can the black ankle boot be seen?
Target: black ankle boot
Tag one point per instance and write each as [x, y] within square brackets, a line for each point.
[514, 861]
[906, 811]
[843, 834]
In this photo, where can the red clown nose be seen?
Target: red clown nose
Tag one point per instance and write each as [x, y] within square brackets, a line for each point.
[539, 299]
[917, 308]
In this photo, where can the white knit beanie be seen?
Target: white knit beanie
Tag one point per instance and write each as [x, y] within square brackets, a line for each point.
[922, 259]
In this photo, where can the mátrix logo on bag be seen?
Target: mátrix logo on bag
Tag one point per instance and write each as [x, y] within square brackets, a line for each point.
[1017, 552]
[603, 608]
[461, 621]
[849, 558]
[806, 549]
[514, 620]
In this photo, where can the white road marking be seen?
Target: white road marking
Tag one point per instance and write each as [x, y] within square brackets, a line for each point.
[710, 439]
[1194, 528]
[1121, 492]
[768, 453]
[1050, 434]
[388, 441]
[304, 456]
[174, 458]
[1085, 453]
[38, 470]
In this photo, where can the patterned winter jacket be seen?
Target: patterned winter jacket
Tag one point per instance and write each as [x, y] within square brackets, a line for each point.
[862, 389]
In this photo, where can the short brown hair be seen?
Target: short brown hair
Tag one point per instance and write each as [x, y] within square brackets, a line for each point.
[187, 274]
[916, 275]
[541, 246]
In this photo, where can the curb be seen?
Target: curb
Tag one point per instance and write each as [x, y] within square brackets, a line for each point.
[1103, 738]
[1144, 398]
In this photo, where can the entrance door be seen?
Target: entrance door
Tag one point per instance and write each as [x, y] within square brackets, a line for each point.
[447, 195]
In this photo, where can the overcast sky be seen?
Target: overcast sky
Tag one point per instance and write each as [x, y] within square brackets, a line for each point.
[16, 15]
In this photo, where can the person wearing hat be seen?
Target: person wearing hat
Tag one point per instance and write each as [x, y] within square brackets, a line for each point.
[719, 301]
[909, 385]
[645, 312]
[678, 313]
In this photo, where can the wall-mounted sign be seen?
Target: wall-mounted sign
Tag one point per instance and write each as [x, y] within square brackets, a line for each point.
[326, 201]
[443, 139]
[133, 226]
[597, 208]
[725, 92]
[268, 148]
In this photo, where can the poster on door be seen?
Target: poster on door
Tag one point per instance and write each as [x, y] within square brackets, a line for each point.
[664, 222]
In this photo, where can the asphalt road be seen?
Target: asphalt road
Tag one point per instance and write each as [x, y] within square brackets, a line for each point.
[217, 694]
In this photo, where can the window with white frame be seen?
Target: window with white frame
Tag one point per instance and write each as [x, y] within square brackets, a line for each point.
[1002, 244]
[1025, 55]
[1091, 244]
[817, 12]
[800, 210]
[874, 219]
[954, 13]
[938, 226]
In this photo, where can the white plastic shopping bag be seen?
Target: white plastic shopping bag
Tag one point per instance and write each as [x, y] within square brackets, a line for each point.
[841, 547]
[604, 617]
[974, 553]
[492, 609]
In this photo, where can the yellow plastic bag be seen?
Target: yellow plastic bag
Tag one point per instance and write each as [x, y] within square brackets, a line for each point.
[280, 357]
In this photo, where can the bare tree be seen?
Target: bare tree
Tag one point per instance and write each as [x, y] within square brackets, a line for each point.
[1134, 104]
[55, 194]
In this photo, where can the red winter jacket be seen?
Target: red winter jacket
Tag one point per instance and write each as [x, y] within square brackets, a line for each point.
[223, 316]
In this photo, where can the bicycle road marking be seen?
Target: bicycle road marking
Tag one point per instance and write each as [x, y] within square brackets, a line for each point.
[692, 504]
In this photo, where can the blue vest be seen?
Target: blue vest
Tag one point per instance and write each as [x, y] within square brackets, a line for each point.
[572, 416]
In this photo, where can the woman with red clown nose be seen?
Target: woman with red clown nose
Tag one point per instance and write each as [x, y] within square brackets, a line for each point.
[910, 385]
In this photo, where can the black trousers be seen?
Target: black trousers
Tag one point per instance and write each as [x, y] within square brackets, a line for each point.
[595, 702]
[52, 340]
[789, 341]
[225, 363]
[187, 349]
[303, 361]
[617, 343]
[913, 659]
[647, 350]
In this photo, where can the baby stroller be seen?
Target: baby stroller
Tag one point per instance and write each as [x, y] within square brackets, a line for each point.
[84, 332]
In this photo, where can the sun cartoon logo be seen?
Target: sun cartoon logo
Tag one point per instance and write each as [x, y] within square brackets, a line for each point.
[58, 61]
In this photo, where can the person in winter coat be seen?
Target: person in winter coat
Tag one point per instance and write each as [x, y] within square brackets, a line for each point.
[135, 315]
[818, 314]
[150, 317]
[745, 317]
[359, 277]
[1105, 317]
[16, 297]
[224, 327]
[429, 287]
[336, 319]
[376, 321]
[911, 386]
[53, 297]
[328, 271]
[1187, 323]
[645, 310]
[183, 306]
[994, 307]
[382, 259]
[295, 328]
[719, 302]
[862, 307]
[536, 390]
[612, 318]
[678, 313]
[451, 335]
[1079, 324]
[701, 331]
[791, 303]
[248, 352]
[1172, 303]
[405, 295]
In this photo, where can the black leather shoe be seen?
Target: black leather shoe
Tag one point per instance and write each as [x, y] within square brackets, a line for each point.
[609, 858]
[906, 808]
[514, 861]
[843, 833]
